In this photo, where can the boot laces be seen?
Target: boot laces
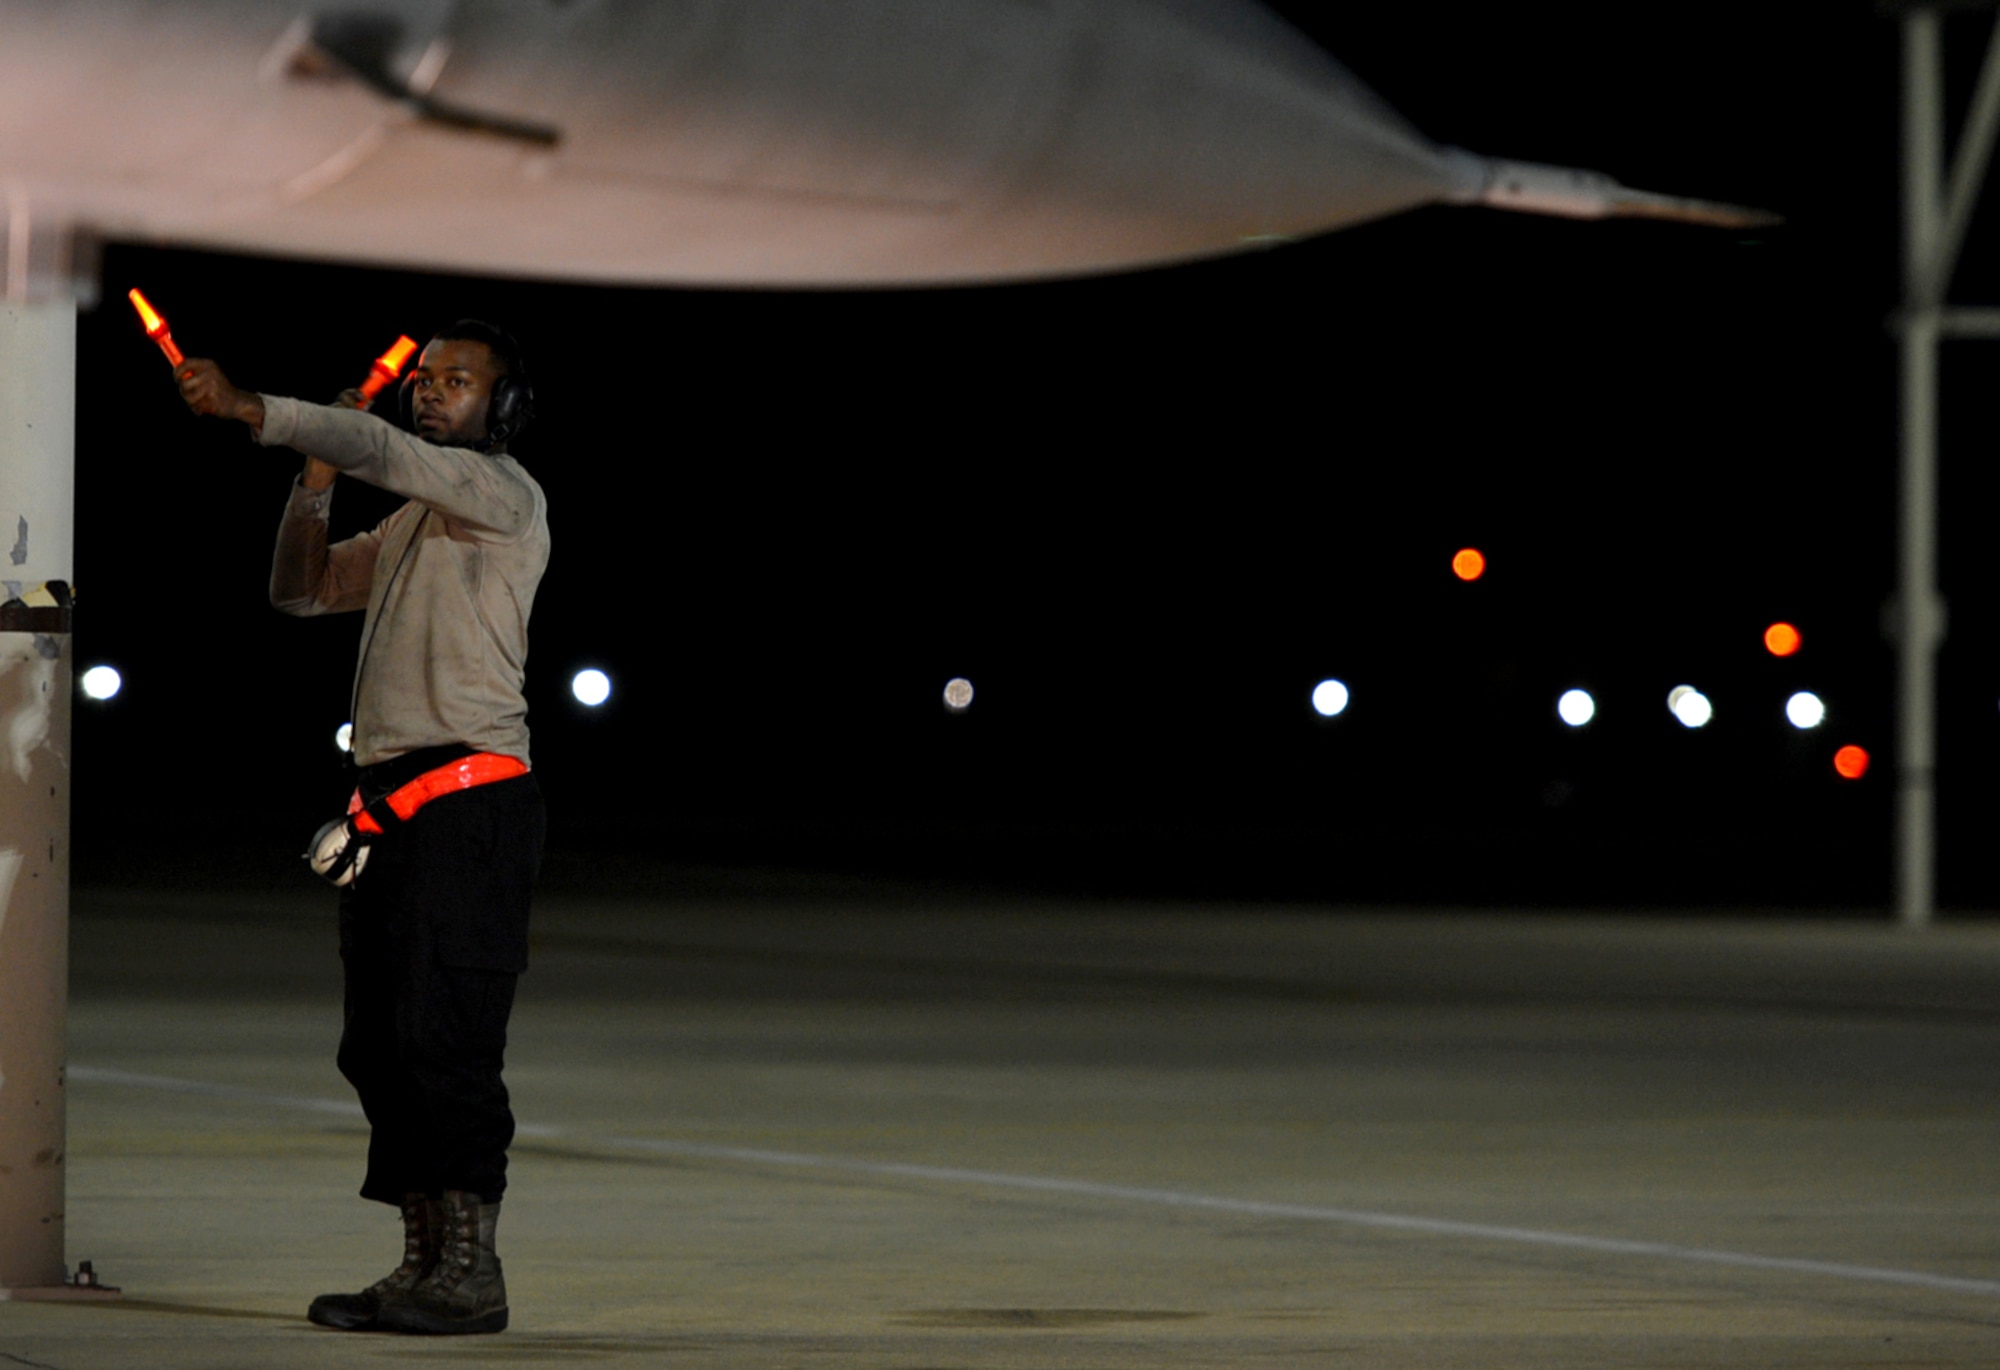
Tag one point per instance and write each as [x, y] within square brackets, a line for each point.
[419, 1241]
[461, 1249]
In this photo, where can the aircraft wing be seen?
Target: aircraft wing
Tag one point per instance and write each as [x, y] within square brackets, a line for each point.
[738, 142]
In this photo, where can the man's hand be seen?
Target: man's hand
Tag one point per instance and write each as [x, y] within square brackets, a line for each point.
[208, 391]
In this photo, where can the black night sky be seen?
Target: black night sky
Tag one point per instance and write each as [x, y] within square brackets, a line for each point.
[1144, 515]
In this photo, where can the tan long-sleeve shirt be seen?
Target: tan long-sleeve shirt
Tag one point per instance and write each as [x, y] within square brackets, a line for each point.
[448, 580]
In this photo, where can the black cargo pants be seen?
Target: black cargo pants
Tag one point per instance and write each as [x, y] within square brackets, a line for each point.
[433, 934]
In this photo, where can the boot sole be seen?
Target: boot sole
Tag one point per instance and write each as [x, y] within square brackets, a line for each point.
[417, 1321]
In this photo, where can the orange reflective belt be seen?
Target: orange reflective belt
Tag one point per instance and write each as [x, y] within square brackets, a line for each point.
[481, 768]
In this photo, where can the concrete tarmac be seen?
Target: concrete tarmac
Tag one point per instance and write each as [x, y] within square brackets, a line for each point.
[909, 1131]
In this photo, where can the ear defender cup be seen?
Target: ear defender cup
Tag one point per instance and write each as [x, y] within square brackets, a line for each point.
[510, 408]
[337, 852]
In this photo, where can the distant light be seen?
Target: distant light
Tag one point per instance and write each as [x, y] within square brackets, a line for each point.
[1690, 706]
[1329, 698]
[1851, 762]
[1805, 709]
[1782, 639]
[591, 687]
[1576, 708]
[958, 694]
[102, 682]
[343, 737]
[1469, 564]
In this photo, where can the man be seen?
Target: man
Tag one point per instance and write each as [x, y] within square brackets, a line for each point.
[444, 833]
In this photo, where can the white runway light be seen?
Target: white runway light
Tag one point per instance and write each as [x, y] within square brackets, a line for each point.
[343, 737]
[591, 687]
[1576, 708]
[958, 694]
[1805, 710]
[1690, 706]
[102, 682]
[1329, 698]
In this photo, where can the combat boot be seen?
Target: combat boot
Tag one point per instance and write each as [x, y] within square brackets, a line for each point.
[423, 1230]
[464, 1291]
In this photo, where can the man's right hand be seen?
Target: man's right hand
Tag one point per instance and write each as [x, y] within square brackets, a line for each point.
[208, 391]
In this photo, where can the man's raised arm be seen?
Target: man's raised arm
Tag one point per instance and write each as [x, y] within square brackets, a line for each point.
[308, 577]
[472, 489]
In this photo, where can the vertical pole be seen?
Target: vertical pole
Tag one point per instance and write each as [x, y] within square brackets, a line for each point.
[1921, 628]
[37, 461]
[1920, 616]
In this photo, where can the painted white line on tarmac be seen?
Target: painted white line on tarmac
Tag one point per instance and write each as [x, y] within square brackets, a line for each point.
[211, 1091]
[1092, 1189]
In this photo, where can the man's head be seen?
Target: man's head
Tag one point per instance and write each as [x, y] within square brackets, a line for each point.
[469, 388]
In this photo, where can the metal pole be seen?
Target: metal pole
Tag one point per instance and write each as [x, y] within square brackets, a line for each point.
[1922, 629]
[37, 461]
[1920, 616]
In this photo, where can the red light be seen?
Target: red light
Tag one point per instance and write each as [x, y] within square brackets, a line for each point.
[1469, 564]
[149, 317]
[155, 326]
[398, 353]
[1782, 639]
[387, 366]
[1851, 762]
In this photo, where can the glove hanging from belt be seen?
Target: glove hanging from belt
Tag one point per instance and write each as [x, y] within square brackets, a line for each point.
[339, 849]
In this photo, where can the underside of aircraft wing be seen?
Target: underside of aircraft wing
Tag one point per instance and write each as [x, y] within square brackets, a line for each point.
[741, 142]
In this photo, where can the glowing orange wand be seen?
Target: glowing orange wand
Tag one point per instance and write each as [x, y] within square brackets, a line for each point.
[387, 367]
[156, 327]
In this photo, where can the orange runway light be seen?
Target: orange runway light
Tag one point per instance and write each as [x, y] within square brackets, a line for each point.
[1469, 564]
[387, 367]
[1851, 762]
[156, 327]
[1782, 639]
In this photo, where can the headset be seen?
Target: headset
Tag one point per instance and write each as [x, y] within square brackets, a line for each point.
[512, 402]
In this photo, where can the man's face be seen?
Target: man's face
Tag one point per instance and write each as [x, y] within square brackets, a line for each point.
[454, 381]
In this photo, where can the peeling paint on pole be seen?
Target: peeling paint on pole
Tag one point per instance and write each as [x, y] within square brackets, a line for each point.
[37, 459]
[34, 960]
